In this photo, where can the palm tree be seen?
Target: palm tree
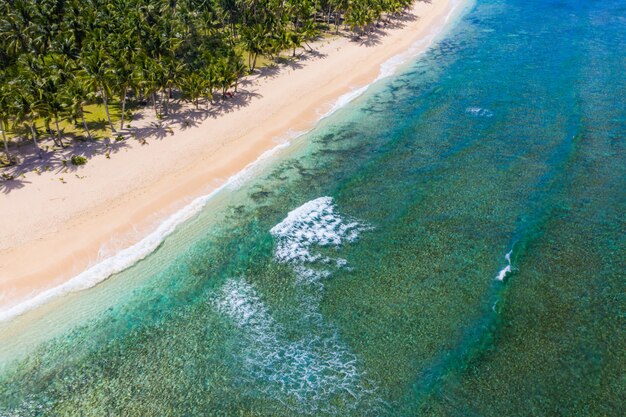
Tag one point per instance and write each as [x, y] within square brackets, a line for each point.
[253, 40]
[3, 127]
[225, 72]
[194, 86]
[124, 76]
[13, 30]
[173, 72]
[25, 93]
[238, 68]
[356, 18]
[5, 114]
[76, 95]
[25, 113]
[54, 74]
[124, 68]
[96, 70]
[56, 56]
[152, 75]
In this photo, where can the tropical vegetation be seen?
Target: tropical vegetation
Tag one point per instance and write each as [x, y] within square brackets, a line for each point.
[59, 57]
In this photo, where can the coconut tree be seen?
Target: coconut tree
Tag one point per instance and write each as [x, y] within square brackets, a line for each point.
[56, 72]
[253, 39]
[13, 30]
[193, 87]
[173, 72]
[96, 70]
[5, 114]
[24, 109]
[124, 73]
[151, 79]
[238, 68]
[226, 75]
[76, 95]
[24, 93]
[357, 17]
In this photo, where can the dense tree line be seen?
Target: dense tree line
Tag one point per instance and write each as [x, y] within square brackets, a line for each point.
[57, 56]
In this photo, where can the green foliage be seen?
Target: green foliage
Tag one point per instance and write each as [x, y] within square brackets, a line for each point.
[69, 66]
[78, 160]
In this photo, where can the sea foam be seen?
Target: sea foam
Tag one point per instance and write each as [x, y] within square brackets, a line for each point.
[316, 372]
[313, 223]
[310, 375]
[507, 269]
[479, 112]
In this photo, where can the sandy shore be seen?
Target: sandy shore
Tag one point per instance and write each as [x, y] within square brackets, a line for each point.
[53, 229]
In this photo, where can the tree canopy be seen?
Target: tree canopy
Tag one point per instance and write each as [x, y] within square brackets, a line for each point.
[57, 56]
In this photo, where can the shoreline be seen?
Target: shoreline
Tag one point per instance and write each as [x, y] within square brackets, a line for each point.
[53, 237]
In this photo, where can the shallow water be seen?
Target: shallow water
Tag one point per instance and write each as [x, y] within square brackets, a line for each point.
[451, 243]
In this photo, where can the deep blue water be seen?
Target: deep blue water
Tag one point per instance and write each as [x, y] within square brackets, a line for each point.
[455, 247]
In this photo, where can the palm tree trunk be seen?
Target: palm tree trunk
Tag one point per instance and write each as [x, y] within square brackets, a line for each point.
[106, 109]
[254, 61]
[123, 108]
[6, 143]
[82, 116]
[34, 133]
[56, 122]
[154, 104]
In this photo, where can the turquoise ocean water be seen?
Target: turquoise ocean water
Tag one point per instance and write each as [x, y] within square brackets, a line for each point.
[452, 243]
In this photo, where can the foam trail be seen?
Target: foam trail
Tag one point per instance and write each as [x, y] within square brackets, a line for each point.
[309, 375]
[507, 269]
[128, 257]
[317, 372]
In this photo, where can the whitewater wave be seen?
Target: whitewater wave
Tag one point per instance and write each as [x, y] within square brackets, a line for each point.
[504, 272]
[313, 223]
[343, 100]
[316, 373]
[312, 375]
[479, 112]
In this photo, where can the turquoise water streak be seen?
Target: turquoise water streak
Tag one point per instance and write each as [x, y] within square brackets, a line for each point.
[452, 243]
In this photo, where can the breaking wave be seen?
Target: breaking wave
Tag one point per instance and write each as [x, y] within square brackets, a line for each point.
[504, 272]
[315, 223]
[316, 373]
[479, 112]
